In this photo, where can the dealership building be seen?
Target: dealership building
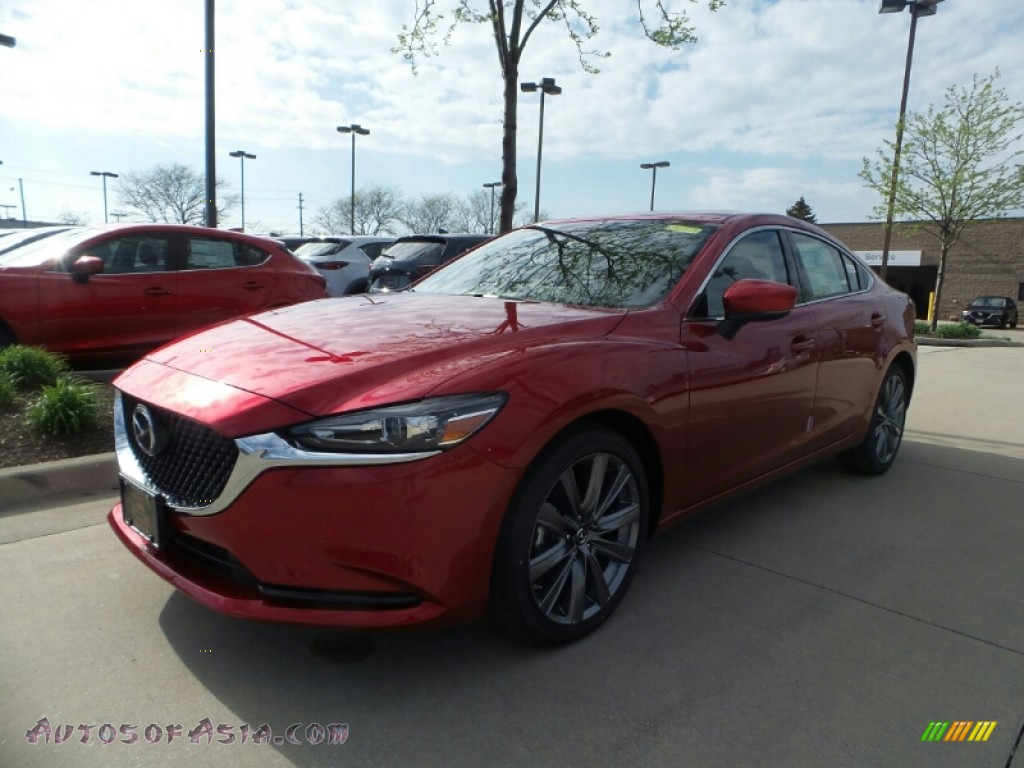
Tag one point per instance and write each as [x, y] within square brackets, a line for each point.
[987, 261]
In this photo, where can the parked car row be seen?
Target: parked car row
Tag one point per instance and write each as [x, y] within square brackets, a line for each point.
[358, 264]
[509, 433]
[107, 295]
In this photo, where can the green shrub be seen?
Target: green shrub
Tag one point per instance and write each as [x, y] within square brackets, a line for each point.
[67, 407]
[958, 331]
[7, 389]
[31, 367]
[921, 328]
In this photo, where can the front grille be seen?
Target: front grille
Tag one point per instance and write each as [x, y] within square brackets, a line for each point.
[193, 463]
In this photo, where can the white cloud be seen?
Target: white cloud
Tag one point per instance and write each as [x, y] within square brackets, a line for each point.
[778, 98]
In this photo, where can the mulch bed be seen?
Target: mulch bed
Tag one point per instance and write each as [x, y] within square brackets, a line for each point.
[20, 444]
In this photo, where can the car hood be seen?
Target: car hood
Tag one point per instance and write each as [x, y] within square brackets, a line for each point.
[335, 355]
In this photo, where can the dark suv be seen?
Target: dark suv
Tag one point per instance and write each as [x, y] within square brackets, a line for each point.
[991, 310]
[414, 256]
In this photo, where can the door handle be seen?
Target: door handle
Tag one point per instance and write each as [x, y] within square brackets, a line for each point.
[157, 291]
[801, 344]
[877, 319]
[252, 286]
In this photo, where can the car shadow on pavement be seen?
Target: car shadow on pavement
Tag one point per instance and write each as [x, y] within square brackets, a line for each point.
[825, 595]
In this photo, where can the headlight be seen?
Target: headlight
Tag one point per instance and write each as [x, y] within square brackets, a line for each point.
[437, 423]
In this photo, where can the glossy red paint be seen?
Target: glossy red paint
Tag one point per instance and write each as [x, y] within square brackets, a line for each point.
[83, 295]
[710, 414]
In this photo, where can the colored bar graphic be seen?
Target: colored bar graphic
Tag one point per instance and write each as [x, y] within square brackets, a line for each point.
[959, 730]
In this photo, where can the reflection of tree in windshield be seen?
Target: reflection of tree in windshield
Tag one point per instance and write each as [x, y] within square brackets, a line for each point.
[604, 264]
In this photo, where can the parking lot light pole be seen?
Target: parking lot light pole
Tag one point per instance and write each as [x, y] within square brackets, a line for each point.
[353, 129]
[105, 175]
[917, 8]
[653, 168]
[242, 156]
[491, 185]
[545, 86]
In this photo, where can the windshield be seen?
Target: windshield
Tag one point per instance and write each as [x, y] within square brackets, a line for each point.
[619, 264]
[418, 250]
[50, 247]
[989, 301]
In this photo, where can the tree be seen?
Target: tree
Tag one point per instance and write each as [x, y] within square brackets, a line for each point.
[67, 216]
[378, 210]
[431, 214]
[957, 165]
[801, 210]
[512, 23]
[170, 193]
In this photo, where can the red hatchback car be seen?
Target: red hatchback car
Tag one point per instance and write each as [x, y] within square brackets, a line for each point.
[509, 432]
[110, 294]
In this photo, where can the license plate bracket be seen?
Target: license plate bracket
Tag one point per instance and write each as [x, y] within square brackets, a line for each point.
[144, 512]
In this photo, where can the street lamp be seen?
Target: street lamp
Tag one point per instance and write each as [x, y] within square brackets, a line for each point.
[653, 167]
[491, 185]
[917, 8]
[105, 175]
[545, 86]
[353, 129]
[242, 156]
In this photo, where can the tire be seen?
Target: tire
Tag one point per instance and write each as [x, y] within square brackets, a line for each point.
[6, 339]
[572, 537]
[878, 450]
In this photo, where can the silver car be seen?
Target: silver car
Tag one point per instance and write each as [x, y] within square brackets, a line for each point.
[343, 260]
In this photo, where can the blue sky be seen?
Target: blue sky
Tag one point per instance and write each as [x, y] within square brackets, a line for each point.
[776, 100]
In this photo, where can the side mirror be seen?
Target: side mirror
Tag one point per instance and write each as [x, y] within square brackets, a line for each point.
[749, 301]
[84, 266]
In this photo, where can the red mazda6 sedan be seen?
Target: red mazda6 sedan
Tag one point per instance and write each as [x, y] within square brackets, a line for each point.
[110, 294]
[509, 432]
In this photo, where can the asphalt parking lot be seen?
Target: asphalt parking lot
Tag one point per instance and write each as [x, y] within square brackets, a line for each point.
[826, 620]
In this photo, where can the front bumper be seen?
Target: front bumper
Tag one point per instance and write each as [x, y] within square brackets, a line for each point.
[356, 546]
[329, 539]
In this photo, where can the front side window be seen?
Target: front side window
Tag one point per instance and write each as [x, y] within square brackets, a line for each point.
[132, 254]
[757, 256]
[615, 264]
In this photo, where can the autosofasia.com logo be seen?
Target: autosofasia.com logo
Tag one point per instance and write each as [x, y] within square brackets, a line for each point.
[959, 730]
[205, 732]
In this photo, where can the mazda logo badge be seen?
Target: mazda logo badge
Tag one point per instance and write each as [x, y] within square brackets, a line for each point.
[144, 431]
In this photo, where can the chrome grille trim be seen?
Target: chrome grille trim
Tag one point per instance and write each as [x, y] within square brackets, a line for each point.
[256, 455]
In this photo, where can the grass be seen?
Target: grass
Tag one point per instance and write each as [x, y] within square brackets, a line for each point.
[69, 406]
[31, 367]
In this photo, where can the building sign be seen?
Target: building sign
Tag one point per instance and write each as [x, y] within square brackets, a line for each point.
[896, 258]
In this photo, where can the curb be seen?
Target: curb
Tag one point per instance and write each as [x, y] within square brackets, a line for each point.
[33, 483]
[932, 341]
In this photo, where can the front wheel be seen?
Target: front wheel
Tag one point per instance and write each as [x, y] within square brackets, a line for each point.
[572, 536]
[878, 450]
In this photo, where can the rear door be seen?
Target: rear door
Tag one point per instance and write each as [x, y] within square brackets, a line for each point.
[851, 321]
[220, 279]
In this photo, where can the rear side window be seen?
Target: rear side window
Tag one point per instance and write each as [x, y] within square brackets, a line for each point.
[825, 271]
[206, 253]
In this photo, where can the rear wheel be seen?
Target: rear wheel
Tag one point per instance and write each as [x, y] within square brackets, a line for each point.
[571, 538]
[6, 339]
[878, 450]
